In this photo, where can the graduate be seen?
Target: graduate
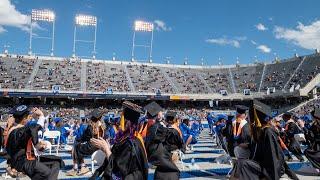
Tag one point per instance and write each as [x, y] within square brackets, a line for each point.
[313, 151]
[220, 124]
[291, 129]
[22, 139]
[210, 120]
[112, 128]
[83, 147]
[187, 135]
[266, 160]
[156, 132]
[162, 141]
[240, 138]
[127, 158]
[281, 134]
[154, 114]
[226, 132]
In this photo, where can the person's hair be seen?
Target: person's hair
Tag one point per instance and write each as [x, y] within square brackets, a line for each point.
[186, 121]
[171, 120]
[18, 119]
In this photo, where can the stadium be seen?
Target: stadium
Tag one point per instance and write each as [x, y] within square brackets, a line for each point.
[68, 88]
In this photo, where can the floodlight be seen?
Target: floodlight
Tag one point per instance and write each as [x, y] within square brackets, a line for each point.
[86, 20]
[42, 15]
[143, 26]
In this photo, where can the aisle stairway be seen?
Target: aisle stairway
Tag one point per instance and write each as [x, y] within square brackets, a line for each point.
[204, 153]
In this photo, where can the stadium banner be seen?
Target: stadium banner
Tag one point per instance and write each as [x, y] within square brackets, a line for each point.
[179, 98]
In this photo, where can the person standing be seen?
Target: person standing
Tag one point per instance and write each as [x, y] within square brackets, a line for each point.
[312, 153]
[291, 129]
[241, 137]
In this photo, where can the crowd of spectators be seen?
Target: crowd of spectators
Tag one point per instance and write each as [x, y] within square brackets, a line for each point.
[277, 74]
[247, 77]
[15, 71]
[307, 108]
[66, 73]
[149, 79]
[99, 76]
[308, 70]
[187, 81]
[218, 80]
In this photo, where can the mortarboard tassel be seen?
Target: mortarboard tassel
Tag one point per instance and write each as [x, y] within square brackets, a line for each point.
[122, 122]
[256, 118]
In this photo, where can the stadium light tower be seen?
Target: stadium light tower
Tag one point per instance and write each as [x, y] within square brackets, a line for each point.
[85, 20]
[46, 16]
[142, 26]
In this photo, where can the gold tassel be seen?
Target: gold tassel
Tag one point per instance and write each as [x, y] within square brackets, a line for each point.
[256, 118]
[122, 122]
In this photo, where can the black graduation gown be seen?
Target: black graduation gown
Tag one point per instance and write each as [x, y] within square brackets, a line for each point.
[17, 144]
[294, 146]
[269, 154]
[166, 169]
[127, 161]
[313, 152]
[82, 145]
[160, 142]
[244, 138]
[227, 132]
[48, 166]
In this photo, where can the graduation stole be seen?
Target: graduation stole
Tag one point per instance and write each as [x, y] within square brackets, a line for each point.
[237, 132]
[29, 153]
[138, 135]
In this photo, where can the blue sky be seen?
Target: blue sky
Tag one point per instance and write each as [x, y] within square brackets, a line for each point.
[191, 29]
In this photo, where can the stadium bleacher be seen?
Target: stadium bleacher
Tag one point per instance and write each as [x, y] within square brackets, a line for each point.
[18, 72]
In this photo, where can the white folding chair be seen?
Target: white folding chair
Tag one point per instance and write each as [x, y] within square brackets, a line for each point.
[53, 135]
[98, 158]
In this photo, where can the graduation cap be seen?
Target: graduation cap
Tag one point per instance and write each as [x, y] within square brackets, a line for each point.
[316, 113]
[95, 115]
[57, 119]
[152, 109]
[20, 111]
[170, 115]
[259, 112]
[241, 109]
[131, 112]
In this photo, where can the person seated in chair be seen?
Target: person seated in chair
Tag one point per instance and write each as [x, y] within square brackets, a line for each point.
[24, 141]
[83, 147]
[187, 135]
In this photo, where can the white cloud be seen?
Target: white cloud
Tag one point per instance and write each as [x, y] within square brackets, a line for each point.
[161, 26]
[241, 38]
[305, 36]
[253, 42]
[261, 27]
[9, 16]
[2, 29]
[225, 41]
[264, 48]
